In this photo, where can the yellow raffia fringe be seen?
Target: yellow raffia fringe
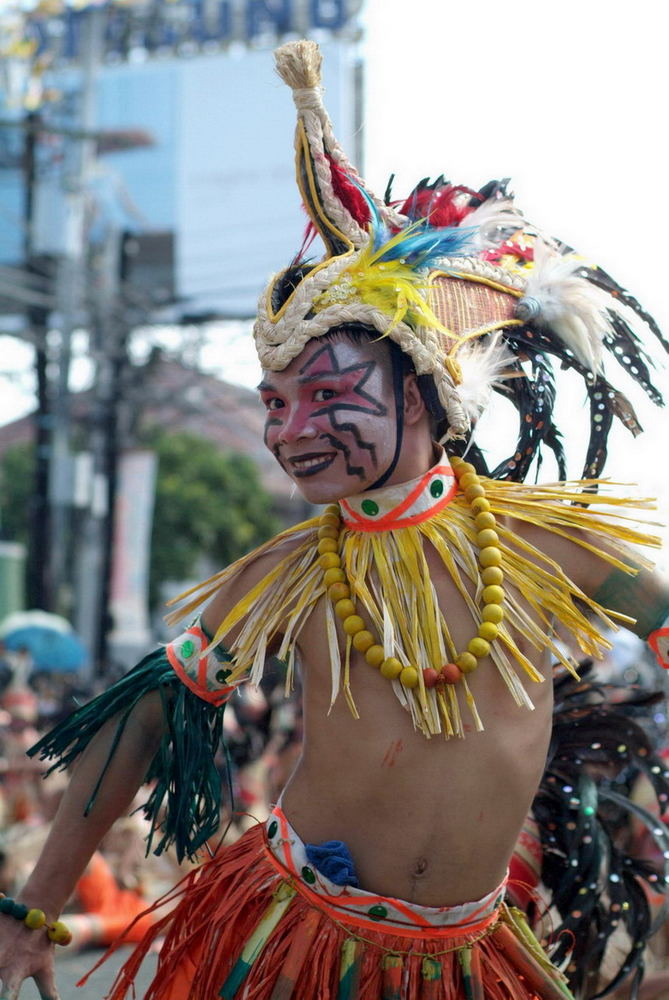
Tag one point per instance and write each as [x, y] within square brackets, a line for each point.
[391, 581]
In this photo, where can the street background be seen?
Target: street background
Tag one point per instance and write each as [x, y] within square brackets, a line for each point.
[70, 968]
[146, 194]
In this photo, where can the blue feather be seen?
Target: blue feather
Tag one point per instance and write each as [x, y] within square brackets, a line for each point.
[424, 244]
[379, 230]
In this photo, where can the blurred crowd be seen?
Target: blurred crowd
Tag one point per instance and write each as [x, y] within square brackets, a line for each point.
[263, 740]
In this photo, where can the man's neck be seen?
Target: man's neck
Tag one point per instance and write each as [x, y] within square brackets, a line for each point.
[415, 461]
[396, 505]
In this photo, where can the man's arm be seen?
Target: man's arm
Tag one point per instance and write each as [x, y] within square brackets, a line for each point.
[74, 837]
[642, 595]
[78, 835]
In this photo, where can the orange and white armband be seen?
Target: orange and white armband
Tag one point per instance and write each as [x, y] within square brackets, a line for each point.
[658, 640]
[204, 673]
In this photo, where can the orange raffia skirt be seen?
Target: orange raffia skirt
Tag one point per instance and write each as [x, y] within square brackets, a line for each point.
[259, 922]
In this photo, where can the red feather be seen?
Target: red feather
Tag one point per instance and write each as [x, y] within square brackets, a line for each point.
[310, 234]
[522, 253]
[349, 194]
[440, 203]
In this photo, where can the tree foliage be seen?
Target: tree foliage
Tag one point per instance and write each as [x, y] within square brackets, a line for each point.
[209, 505]
[16, 490]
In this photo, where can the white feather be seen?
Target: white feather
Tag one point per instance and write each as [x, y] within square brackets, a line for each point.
[493, 220]
[483, 366]
[571, 306]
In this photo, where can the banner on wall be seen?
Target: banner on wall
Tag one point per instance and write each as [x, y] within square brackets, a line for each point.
[133, 519]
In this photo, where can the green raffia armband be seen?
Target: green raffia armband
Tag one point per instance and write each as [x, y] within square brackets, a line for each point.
[184, 805]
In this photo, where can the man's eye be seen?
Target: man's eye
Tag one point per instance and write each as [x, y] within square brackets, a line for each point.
[274, 403]
[322, 395]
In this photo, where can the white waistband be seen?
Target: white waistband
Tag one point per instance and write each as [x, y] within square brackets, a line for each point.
[289, 850]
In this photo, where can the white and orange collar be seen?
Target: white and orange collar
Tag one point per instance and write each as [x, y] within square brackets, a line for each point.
[403, 504]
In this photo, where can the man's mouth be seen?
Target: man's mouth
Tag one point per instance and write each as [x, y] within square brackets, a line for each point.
[308, 465]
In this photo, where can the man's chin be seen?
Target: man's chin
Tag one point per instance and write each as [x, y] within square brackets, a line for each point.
[322, 493]
[326, 485]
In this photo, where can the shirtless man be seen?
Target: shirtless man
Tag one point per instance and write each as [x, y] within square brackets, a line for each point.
[381, 873]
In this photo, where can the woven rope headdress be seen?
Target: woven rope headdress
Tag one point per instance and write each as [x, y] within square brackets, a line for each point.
[459, 280]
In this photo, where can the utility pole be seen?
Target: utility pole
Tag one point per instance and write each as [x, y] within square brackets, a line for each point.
[109, 334]
[39, 591]
[71, 285]
[115, 426]
[73, 527]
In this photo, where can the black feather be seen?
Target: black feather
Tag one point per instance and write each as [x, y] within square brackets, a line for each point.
[597, 748]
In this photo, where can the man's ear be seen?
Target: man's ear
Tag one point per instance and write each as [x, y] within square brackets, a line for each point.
[414, 406]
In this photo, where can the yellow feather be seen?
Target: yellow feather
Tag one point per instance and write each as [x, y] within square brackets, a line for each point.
[391, 286]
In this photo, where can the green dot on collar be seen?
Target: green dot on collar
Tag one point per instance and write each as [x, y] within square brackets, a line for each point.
[370, 507]
[436, 488]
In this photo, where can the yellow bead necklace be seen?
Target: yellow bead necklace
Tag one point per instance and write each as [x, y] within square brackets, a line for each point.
[492, 613]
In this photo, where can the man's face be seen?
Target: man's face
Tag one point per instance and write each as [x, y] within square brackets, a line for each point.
[331, 420]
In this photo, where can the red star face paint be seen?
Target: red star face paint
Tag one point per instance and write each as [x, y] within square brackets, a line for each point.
[327, 423]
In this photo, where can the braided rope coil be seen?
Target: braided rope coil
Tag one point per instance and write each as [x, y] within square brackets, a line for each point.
[314, 120]
[484, 269]
[389, 215]
[299, 66]
[282, 339]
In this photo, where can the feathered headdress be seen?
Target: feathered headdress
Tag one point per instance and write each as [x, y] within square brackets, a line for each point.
[477, 298]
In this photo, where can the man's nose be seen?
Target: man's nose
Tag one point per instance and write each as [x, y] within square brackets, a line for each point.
[298, 426]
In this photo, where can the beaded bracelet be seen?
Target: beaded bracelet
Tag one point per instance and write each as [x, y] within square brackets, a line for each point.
[58, 932]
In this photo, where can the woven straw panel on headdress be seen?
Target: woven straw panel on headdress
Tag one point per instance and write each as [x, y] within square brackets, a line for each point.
[463, 305]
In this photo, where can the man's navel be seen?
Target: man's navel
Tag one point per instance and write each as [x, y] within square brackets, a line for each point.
[419, 868]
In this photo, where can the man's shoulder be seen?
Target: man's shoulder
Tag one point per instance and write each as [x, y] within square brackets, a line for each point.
[268, 556]
[251, 570]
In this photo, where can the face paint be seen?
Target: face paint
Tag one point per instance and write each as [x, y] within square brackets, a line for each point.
[327, 424]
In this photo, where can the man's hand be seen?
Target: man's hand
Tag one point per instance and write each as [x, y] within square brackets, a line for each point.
[24, 954]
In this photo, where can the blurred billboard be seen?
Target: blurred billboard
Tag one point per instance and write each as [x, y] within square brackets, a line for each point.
[220, 174]
[178, 26]
[212, 177]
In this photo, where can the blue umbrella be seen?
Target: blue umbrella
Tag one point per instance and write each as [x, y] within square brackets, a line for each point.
[34, 616]
[50, 650]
